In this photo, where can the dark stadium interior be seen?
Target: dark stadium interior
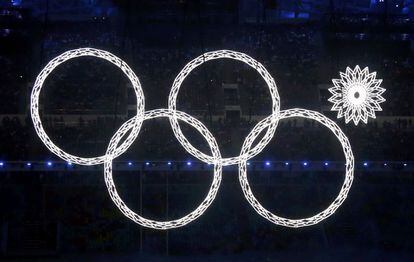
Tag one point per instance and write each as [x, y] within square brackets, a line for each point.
[53, 210]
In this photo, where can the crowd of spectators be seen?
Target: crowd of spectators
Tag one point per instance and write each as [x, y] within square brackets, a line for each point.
[298, 59]
[294, 54]
[63, 36]
[388, 141]
[13, 86]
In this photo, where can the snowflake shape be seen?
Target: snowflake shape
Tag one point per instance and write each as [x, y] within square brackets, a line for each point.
[356, 95]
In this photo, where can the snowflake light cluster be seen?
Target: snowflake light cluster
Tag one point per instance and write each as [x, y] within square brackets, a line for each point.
[357, 95]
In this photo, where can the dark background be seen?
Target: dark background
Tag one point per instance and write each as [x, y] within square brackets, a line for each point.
[51, 210]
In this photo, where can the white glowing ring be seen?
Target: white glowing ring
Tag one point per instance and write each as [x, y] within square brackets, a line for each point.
[34, 108]
[349, 167]
[111, 185]
[172, 104]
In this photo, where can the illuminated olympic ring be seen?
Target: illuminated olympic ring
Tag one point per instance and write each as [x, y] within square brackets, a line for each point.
[34, 107]
[133, 125]
[177, 115]
[172, 104]
[349, 168]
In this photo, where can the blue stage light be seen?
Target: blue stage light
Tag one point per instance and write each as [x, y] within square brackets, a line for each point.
[365, 164]
[188, 163]
[305, 163]
[248, 163]
[147, 163]
[129, 163]
[28, 164]
[267, 163]
[169, 163]
[385, 164]
[1, 164]
[16, 2]
[326, 164]
[69, 164]
[405, 164]
[286, 163]
[49, 163]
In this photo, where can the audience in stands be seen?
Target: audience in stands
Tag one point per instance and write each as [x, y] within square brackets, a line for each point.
[292, 54]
